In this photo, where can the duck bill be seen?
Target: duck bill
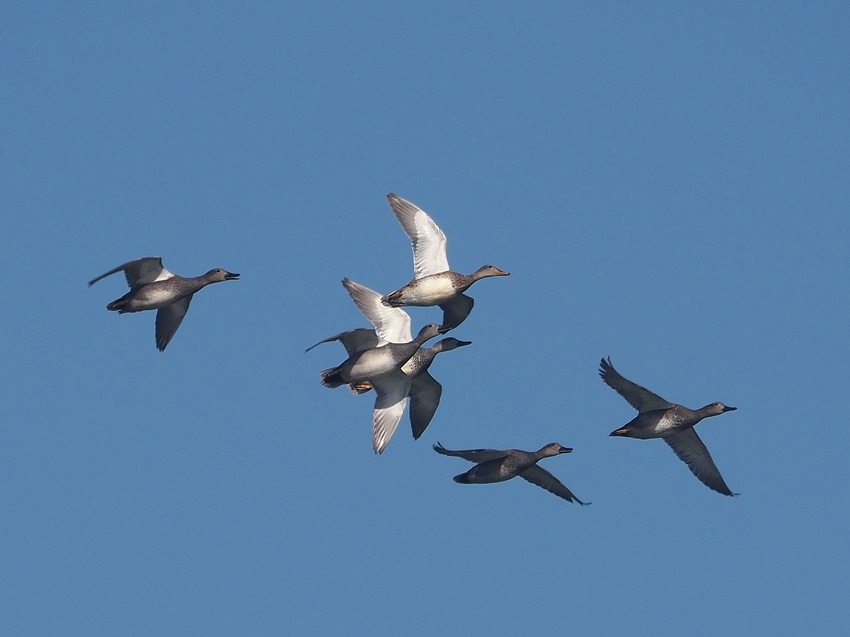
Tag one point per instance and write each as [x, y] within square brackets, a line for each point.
[501, 272]
[231, 276]
[728, 408]
[565, 450]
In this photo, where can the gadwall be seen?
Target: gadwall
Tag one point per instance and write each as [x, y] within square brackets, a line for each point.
[381, 366]
[152, 287]
[433, 282]
[425, 391]
[494, 465]
[659, 418]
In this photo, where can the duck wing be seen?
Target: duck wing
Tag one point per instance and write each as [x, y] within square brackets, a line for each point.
[392, 324]
[429, 242]
[139, 272]
[694, 453]
[542, 478]
[456, 311]
[473, 455]
[354, 341]
[638, 397]
[391, 390]
[168, 319]
[425, 394]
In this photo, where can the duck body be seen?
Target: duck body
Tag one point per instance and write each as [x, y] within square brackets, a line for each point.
[509, 466]
[157, 295]
[672, 422]
[440, 288]
[152, 287]
[429, 290]
[659, 423]
[494, 465]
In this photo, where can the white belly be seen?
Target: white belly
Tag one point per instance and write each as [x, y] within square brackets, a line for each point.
[373, 362]
[430, 291]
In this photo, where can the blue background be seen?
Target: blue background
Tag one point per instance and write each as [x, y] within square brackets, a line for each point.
[667, 183]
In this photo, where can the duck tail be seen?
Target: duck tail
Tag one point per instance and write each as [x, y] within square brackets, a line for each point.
[393, 299]
[330, 378]
[462, 478]
[120, 305]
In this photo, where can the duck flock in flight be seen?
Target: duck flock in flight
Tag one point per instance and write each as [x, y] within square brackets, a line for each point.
[391, 361]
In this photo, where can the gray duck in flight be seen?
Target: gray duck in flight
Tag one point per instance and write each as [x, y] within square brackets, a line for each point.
[433, 282]
[152, 287]
[496, 465]
[659, 418]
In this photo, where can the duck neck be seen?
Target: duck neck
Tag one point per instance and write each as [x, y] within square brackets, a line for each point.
[704, 412]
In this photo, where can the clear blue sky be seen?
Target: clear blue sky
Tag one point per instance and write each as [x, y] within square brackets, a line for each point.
[667, 183]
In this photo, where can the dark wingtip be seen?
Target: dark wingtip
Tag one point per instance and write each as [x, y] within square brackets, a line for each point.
[604, 366]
